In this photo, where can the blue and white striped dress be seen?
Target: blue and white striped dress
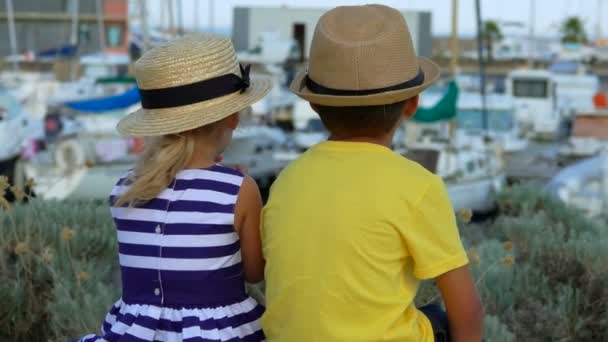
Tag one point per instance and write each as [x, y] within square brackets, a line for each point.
[181, 267]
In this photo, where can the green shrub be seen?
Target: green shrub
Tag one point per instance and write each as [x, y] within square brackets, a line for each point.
[58, 265]
[541, 269]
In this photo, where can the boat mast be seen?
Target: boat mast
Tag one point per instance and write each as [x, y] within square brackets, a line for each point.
[454, 40]
[11, 32]
[180, 18]
[531, 44]
[101, 26]
[74, 36]
[604, 173]
[74, 28]
[599, 20]
[482, 67]
[144, 24]
[211, 10]
[196, 18]
[170, 14]
[454, 58]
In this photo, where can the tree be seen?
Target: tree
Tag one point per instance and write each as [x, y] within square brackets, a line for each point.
[573, 31]
[491, 34]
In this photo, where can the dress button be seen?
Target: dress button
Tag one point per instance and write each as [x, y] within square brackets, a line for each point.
[157, 291]
[157, 230]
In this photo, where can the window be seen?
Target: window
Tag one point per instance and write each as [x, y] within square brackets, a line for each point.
[472, 120]
[530, 88]
[114, 35]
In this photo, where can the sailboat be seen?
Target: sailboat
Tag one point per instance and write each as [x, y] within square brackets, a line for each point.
[473, 170]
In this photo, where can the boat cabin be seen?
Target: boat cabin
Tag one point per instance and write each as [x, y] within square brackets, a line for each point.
[535, 96]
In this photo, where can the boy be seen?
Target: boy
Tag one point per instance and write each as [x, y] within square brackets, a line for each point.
[351, 227]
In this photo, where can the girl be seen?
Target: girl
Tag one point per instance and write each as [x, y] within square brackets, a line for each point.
[188, 229]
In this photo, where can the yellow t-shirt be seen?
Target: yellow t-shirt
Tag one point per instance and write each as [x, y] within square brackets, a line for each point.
[348, 231]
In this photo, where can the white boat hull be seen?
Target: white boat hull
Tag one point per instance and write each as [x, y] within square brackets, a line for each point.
[479, 195]
[85, 182]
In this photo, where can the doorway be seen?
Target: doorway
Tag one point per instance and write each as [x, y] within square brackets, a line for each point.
[299, 35]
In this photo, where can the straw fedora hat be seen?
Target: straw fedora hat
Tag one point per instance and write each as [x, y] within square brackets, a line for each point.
[190, 82]
[363, 56]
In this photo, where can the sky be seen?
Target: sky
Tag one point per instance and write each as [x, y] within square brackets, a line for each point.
[549, 13]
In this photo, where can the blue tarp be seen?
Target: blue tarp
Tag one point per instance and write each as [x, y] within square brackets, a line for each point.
[115, 102]
[63, 51]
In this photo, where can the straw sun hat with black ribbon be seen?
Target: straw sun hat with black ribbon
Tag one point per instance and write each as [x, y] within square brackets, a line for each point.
[188, 83]
[363, 56]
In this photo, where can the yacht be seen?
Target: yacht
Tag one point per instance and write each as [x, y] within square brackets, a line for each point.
[546, 100]
[584, 185]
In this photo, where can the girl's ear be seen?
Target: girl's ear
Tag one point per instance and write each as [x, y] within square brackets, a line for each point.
[233, 121]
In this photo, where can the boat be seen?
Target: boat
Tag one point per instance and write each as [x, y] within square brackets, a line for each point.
[584, 185]
[589, 136]
[273, 58]
[84, 154]
[503, 130]
[308, 128]
[589, 132]
[253, 149]
[472, 177]
[472, 169]
[547, 99]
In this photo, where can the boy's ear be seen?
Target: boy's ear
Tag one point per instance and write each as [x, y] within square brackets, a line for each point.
[411, 105]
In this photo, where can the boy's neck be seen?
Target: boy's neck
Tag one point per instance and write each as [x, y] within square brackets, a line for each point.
[385, 140]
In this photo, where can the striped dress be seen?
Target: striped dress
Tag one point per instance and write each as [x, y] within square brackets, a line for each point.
[181, 267]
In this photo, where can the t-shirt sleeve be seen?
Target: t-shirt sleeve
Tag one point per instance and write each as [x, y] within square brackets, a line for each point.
[432, 237]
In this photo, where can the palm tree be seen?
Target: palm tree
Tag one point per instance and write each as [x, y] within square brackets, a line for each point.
[573, 31]
[491, 34]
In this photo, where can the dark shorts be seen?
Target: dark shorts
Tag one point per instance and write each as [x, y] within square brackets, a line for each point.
[439, 321]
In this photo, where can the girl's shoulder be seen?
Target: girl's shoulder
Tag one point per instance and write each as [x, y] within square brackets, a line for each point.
[216, 178]
[216, 172]
[226, 170]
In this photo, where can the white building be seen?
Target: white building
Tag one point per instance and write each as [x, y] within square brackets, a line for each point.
[289, 23]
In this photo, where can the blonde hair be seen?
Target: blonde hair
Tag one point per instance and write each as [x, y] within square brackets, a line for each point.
[161, 159]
